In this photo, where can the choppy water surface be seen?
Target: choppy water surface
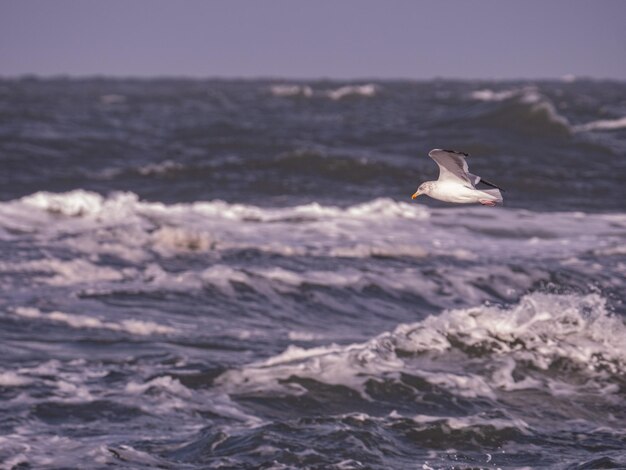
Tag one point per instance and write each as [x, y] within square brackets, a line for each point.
[231, 274]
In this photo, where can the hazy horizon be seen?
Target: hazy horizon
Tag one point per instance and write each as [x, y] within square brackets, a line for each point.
[295, 79]
[351, 40]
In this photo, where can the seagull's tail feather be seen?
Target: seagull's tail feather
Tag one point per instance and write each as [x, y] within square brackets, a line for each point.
[494, 193]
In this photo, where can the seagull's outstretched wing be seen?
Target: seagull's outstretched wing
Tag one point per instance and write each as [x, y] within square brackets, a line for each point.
[453, 167]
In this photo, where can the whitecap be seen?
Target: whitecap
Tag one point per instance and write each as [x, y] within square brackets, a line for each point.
[165, 383]
[529, 97]
[291, 90]
[132, 326]
[542, 330]
[602, 125]
[491, 95]
[367, 90]
[62, 273]
[12, 379]
[158, 169]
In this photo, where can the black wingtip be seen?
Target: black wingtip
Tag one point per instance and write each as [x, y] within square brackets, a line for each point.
[457, 152]
[492, 185]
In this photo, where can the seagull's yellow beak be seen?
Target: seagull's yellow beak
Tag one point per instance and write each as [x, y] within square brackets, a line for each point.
[417, 193]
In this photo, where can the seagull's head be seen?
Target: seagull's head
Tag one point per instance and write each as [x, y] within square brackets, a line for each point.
[424, 188]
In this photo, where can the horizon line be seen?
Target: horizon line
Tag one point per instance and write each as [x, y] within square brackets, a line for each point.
[566, 78]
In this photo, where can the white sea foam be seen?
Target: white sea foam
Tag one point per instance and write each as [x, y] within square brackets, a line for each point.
[602, 125]
[172, 240]
[367, 90]
[74, 203]
[291, 90]
[272, 282]
[464, 422]
[528, 96]
[161, 168]
[132, 326]
[303, 336]
[60, 273]
[491, 95]
[541, 105]
[92, 226]
[166, 383]
[12, 379]
[542, 330]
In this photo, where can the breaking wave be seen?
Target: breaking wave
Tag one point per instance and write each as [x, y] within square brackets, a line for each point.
[602, 125]
[286, 90]
[524, 109]
[132, 326]
[528, 108]
[481, 351]
[291, 90]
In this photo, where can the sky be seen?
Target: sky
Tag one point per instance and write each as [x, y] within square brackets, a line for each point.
[341, 39]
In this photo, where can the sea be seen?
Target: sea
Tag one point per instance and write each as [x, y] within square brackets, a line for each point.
[201, 274]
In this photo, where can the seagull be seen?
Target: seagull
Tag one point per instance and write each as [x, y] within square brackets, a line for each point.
[456, 183]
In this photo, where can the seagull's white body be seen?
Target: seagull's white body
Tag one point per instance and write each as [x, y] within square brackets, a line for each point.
[456, 184]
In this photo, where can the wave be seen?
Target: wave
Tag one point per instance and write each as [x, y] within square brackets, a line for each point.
[132, 326]
[366, 90]
[520, 347]
[293, 163]
[286, 90]
[163, 168]
[278, 284]
[491, 95]
[602, 125]
[525, 109]
[125, 227]
[81, 203]
[291, 90]
[117, 244]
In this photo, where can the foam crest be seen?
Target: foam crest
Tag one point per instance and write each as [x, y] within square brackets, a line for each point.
[291, 90]
[12, 379]
[539, 105]
[132, 326]
[166, 383]
[542, 329]
[294, 90]
[367, 90]
[74, 203]
[382, 207]
[491, 95]
[602, 125]
[473, 421]
[81, 203]
[535, 107]
[172, 240]
[58, 272]
[158, 169]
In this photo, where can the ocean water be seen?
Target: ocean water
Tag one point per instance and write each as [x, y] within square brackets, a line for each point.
[231, 274]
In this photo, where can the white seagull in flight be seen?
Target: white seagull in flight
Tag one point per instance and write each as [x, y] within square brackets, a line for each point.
[456, 183]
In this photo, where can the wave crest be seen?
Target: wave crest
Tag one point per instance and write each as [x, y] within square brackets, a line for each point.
[335, 94]
[602, 125]
[541, 332]
[524, 109]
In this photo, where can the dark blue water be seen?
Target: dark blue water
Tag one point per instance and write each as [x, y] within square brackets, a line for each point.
[232, 274]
